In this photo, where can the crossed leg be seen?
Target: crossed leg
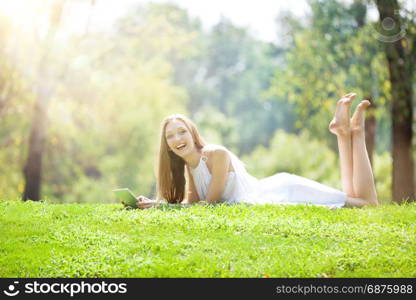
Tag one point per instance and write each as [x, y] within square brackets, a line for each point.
[356, 174]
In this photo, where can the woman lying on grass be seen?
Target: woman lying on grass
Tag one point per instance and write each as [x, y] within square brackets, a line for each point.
[216, 175]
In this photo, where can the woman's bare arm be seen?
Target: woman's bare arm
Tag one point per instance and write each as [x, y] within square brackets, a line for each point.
[192, 196]
[220, 163]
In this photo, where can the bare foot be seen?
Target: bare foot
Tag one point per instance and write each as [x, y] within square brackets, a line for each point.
[340, 124]
[357, 122]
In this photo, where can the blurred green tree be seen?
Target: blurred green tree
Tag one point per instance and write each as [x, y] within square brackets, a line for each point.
[15, 100]
[33, 167]
[332, 53]
[118, 89]
[400, 52]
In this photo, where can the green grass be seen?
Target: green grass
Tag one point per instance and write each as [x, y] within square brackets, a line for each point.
[98, 240]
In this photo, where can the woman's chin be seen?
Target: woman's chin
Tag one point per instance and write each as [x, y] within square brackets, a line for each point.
[184, 152]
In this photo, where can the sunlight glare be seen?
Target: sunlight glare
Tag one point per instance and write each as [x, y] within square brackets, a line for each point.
[19, 12]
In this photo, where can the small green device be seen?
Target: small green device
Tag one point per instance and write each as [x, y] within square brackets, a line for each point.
[126, 196]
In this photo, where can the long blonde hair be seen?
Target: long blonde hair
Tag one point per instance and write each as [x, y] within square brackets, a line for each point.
[171, 167]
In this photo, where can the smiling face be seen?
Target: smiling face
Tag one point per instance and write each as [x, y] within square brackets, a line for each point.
[179, 138]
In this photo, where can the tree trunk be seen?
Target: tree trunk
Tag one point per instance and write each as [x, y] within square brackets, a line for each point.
[370, 130]
[400, 72]
[33, 167]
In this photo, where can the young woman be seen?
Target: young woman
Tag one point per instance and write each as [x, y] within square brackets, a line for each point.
[216, 175]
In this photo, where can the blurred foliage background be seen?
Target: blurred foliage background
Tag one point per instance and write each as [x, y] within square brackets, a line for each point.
[108, 91]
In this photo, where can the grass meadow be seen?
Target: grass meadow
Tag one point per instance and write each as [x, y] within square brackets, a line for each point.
[41, 239]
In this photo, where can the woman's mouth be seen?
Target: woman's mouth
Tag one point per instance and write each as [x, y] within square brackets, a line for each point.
[181, 147]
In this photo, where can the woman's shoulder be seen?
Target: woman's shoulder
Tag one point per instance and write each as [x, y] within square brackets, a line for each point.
[219, 153]
[210, 149]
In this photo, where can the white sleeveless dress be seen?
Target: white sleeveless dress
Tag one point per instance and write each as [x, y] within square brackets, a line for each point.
[281, 188]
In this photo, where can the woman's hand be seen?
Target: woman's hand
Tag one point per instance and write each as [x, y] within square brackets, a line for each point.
[143, 202]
